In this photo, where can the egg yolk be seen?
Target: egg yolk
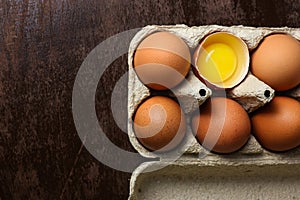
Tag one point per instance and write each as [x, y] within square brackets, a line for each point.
[217, 62]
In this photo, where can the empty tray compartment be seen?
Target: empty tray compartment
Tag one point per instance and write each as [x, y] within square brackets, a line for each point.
[193, 181]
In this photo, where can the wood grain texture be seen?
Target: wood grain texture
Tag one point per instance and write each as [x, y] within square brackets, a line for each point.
[42, 45]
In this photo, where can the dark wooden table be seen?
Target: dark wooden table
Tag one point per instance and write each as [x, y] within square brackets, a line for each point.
[42, 45]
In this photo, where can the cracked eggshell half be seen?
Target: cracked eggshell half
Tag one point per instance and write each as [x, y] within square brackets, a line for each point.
[221, 60]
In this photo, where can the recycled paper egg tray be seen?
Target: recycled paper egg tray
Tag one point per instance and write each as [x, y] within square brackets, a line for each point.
[251, 93]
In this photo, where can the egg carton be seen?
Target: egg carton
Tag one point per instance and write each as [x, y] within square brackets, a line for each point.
[251, 93]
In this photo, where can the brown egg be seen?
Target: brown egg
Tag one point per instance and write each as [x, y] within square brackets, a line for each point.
[222, 125]
[162, 60]
[159, 123]
[277, 125]
[276, 61]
